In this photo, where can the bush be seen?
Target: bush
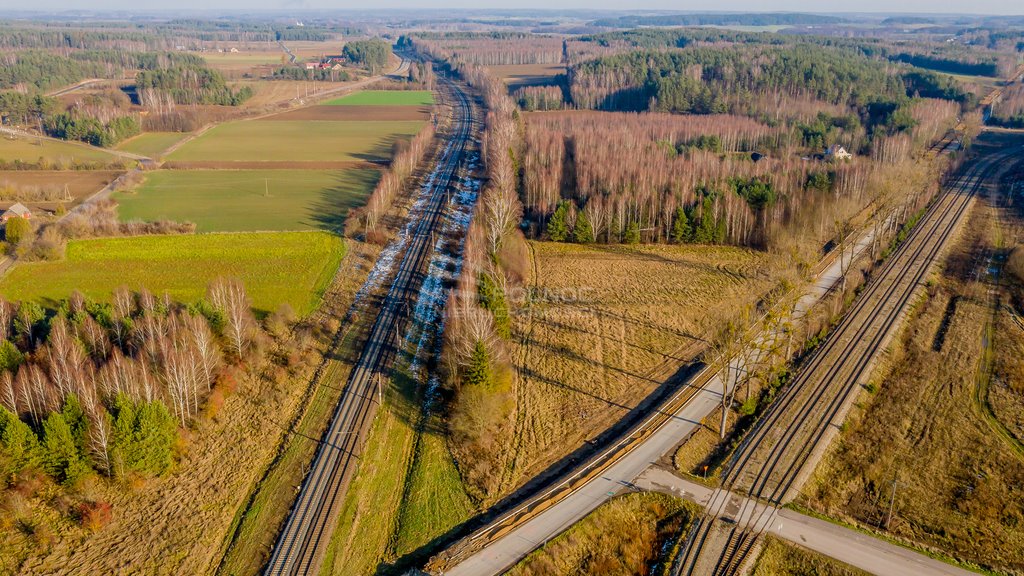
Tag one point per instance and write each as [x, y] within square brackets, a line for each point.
[94, 515]
[16, 230]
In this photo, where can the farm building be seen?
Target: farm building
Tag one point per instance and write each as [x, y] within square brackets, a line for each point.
[18, 210]
[837, 152]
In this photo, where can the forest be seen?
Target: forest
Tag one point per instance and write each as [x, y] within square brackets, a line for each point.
[779, 19]
[371, 54]
[189, 83]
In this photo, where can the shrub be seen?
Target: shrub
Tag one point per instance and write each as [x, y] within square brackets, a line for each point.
[94, 515]
[16, 230]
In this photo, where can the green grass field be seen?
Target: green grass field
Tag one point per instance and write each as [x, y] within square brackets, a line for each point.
[151, 144]
[237, 200]
[30, 150]
[296, 141]
[385, 98]
[277, 268]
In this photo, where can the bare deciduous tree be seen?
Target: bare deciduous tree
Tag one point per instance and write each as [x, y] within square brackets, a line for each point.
[228, 296]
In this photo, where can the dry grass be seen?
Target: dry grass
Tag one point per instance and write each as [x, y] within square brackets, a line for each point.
[959, 484]
[627, 535]
[178, 524]
[80, 183]
[1006, 393]
[605, 326]
[783, 559]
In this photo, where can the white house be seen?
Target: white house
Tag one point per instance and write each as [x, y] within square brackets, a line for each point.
[837, 152]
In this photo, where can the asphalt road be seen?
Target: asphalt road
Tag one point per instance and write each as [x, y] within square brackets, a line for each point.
[301, 544]
[844, 544]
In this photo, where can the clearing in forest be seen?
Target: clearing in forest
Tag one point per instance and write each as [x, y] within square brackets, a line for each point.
[517, 75]
[250, 200]
[276, 268]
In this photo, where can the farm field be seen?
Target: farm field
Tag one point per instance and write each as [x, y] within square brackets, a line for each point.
[927, 428]
[80, 183]
[350, 113]
[384, 98]
[276, 268]
[274, 92]
[151, 144]
[626, 535]
[31, 150]
[296, 141]
[610, 324]
[238, 200]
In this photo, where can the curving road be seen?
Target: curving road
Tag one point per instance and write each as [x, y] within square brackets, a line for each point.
[300, 546]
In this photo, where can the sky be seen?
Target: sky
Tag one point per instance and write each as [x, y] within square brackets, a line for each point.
[1014, 7]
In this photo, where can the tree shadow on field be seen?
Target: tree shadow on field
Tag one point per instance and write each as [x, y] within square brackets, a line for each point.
[627, 250]
[550, 476]
[349, 190]
[547, 321]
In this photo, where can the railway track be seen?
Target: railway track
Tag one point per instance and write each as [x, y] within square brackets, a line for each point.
[300, 546]
[769, 463]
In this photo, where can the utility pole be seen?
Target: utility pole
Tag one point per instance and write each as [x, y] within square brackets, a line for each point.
[892, 501]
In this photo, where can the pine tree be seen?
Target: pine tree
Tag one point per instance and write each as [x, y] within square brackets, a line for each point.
[705, 231]
[143, 437]
[558, 225]
[583, 231]
[632, 233]
[19, 446]
[681, 231]
[492, 298]
[10, 357]
[61, 456]
[478, 370]
[720, 231]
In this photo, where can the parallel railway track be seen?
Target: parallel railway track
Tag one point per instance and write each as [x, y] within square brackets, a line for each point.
[300, 546]
[770, 461]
